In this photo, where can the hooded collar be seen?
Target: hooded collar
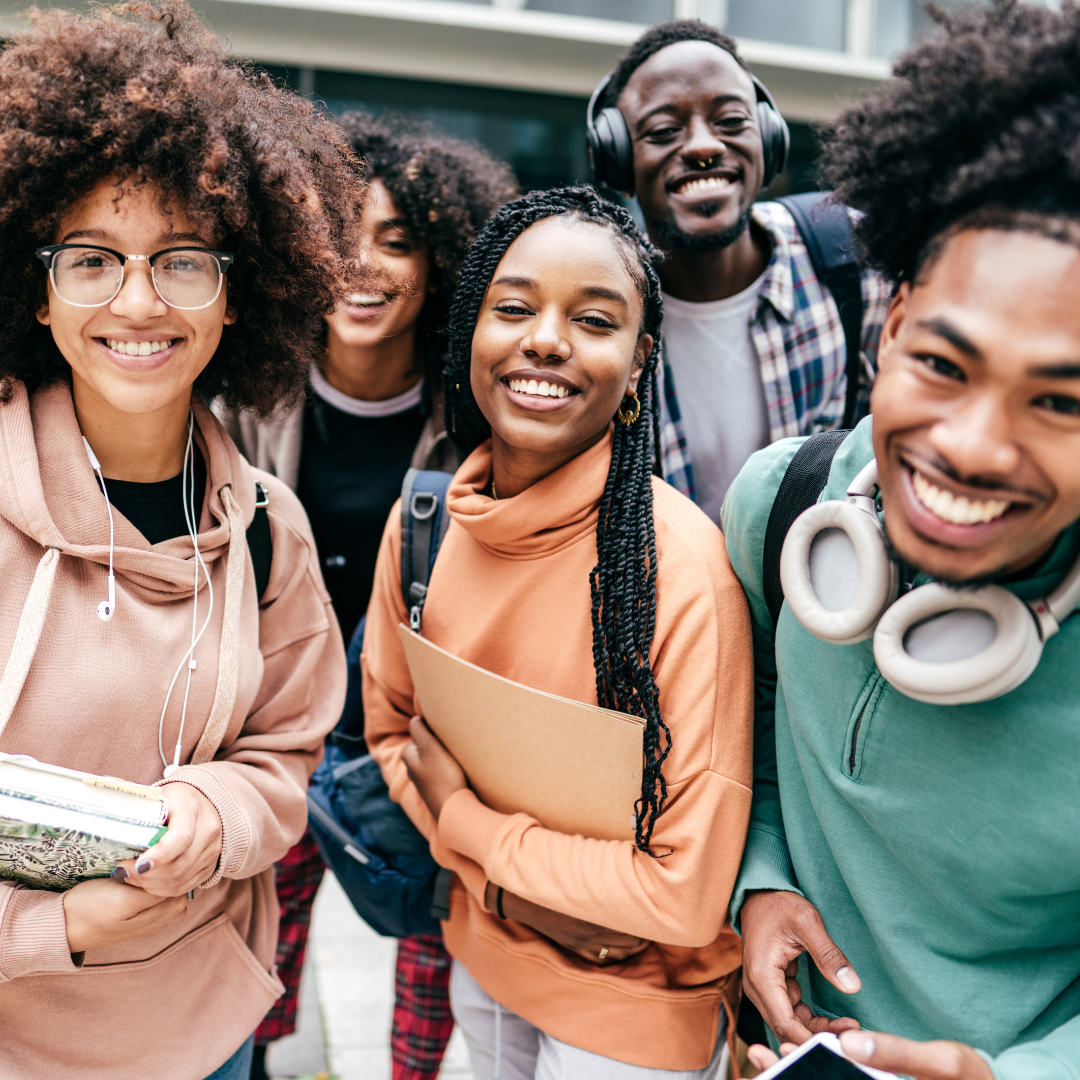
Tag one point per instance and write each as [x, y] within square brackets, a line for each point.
[554, 513]
[50, 493]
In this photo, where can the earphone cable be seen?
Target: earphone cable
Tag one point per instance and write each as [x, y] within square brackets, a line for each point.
[192, 525]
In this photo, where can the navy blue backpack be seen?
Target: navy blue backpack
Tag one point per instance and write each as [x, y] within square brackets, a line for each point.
[380, 858]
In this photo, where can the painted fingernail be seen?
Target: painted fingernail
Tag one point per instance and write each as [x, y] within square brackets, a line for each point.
[858, 1044]
[847, 980]
[144, 866]
[119, 874]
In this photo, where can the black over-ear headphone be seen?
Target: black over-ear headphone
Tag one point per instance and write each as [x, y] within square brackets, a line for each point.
[611, 152]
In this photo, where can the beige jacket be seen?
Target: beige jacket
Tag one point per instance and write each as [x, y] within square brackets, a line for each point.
[274, 444]
[77, 692]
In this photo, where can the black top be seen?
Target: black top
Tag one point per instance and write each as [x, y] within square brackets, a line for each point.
[351, 469]
[157, 510]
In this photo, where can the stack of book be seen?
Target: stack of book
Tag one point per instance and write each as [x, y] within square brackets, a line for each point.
[59, 826]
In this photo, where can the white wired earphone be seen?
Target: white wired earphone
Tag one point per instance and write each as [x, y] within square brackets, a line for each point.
[106, 608]
[934, 644]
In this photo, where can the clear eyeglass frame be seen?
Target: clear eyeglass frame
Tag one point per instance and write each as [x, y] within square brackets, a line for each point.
[223, 259]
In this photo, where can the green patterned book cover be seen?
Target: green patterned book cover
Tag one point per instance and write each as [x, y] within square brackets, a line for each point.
[54, 847]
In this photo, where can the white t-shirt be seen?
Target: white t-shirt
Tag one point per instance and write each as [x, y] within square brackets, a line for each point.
[718, 385]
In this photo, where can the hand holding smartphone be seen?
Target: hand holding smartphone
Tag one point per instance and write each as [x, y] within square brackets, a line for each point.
[822, 1058]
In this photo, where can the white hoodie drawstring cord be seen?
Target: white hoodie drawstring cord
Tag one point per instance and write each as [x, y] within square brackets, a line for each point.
[498, 1042]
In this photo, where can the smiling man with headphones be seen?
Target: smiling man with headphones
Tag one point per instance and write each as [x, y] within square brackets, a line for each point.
[913, 859]
[770, 326]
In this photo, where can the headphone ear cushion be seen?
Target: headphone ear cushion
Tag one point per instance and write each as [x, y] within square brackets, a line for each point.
[611, 151]
[1001, 666]
[775, 141]
[876, 577]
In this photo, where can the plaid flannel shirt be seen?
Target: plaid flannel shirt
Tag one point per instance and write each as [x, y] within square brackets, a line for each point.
[800, 347]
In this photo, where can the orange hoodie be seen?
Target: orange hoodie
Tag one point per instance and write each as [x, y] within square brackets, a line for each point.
[178, 1002]
[510, 593]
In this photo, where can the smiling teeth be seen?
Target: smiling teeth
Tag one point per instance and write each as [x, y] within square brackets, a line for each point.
[365, 299]
[957, 510]
[706, 183]
[138, 348]
[541, 389]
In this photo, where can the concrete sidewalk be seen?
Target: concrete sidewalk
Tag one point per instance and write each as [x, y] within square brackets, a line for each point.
[346, 1002]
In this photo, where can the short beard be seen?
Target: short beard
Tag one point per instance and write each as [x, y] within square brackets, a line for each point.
[673, 237]
[908, 571]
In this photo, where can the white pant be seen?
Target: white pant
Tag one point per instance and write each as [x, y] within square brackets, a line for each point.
[505, 1047]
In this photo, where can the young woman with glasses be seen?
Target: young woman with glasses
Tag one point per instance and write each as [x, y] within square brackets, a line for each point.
[170, 230]
[373, 408]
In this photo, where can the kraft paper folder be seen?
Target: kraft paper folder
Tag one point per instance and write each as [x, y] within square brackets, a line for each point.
[576, 768]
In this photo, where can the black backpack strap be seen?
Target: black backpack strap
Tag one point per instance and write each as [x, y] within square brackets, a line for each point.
[805, 479]
[260, 542]
[825, 227]
[424, 521]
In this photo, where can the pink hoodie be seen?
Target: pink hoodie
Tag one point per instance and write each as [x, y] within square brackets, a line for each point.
[179, 1002]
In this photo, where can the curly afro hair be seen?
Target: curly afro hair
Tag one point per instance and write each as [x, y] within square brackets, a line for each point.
[660, 37]
[140, 92]
[981, 129]
[446, 189]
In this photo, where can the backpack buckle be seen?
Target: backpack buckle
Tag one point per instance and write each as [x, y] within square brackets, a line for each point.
[423, 505]
[418, 594]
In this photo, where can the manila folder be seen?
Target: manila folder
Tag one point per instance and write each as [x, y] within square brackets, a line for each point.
[576, 768]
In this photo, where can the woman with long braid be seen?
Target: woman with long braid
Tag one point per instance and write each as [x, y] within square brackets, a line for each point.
[568, 567]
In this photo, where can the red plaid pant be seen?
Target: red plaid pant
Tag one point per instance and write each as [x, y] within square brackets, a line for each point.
[422, 1019]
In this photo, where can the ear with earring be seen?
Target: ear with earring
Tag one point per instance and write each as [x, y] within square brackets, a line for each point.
[625, 415]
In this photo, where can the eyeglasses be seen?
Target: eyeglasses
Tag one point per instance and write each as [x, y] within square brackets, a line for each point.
[85, 275]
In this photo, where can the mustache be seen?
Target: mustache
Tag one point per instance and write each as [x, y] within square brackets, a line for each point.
[982, 483]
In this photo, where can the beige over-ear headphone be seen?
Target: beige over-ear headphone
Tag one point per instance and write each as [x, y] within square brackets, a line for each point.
[935, 644]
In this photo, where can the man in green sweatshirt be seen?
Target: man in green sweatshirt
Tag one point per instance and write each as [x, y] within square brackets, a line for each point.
[913, 869]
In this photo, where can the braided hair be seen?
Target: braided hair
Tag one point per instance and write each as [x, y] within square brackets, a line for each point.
[623, 582]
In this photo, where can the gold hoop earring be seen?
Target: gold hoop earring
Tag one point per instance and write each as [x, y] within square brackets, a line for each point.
[628, 418]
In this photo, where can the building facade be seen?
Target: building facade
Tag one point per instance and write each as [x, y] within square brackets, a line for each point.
[515, 75]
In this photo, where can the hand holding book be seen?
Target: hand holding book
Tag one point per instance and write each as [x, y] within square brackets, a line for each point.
[102, 912]
[436, 776]
[187, 855]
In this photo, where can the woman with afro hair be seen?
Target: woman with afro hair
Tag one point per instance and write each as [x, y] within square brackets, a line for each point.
[568, 567]
[171, 230]
[373, 409]
[916, 819]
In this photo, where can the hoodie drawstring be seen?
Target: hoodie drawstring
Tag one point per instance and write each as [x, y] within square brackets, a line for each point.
[28, 634]
[229, 650]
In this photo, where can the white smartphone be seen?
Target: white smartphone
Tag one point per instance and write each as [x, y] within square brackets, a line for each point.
[822, 1058]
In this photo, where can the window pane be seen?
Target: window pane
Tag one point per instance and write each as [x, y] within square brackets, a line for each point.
[541, 136]
[922, 24]
[639, 11]
[818, 24]
[892, 26]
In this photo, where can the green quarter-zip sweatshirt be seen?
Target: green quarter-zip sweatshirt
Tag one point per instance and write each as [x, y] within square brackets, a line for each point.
[941, 844]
